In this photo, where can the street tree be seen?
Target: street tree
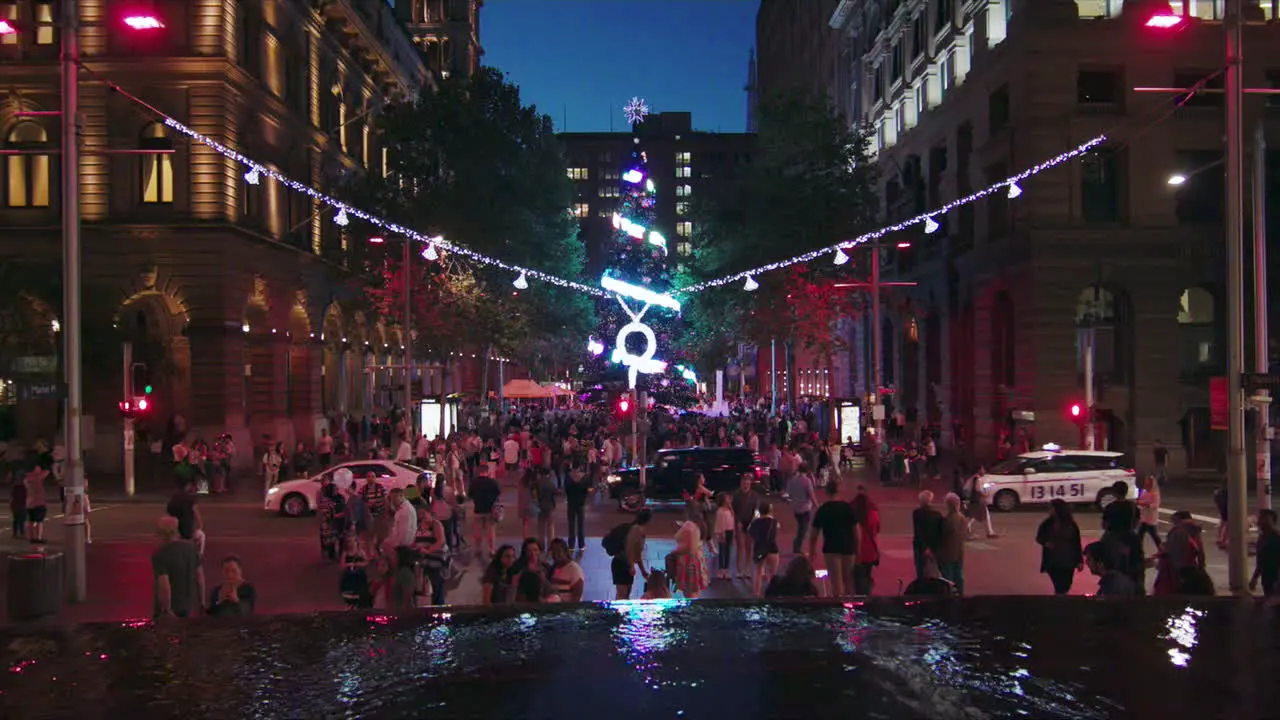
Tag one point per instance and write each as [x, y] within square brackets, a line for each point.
[812, 183]
[473, 164]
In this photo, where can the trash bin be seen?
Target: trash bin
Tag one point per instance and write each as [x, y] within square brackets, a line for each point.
[35, 585]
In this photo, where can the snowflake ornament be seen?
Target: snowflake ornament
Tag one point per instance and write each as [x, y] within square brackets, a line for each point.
[635, 110]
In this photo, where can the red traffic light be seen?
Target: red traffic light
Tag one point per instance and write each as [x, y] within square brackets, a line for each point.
[624, 405]
[142, 404]
[125, 406]
[1076, 410]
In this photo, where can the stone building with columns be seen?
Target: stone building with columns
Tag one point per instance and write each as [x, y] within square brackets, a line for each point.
[1129, 238]
[235, 296]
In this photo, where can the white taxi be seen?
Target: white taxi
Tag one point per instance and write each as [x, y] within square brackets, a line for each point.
[1076, 476]
[298, 497]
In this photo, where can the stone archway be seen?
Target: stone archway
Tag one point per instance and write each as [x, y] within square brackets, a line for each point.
[336, 366]
[154, 323]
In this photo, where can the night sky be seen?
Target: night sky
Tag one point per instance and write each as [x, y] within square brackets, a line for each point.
[579, 61]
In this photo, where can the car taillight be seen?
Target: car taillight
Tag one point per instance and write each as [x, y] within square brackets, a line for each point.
[1130, 471]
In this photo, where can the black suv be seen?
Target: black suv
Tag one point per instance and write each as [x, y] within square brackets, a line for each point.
[675, 472]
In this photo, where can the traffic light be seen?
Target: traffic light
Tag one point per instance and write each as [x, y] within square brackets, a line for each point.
[137, 407]
[624, 406]
[141, 379]
[1077, 413]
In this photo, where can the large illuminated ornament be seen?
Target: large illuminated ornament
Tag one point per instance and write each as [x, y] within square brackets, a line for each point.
[644, 362]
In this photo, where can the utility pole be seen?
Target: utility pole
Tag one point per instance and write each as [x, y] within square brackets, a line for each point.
[129, 439]
[1261, 332]
[1237, 470]
[410, 436]
[773, 376]
[69, 31]
[877, 353]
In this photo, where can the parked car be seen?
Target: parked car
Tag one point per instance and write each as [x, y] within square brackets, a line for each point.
[675, 472]
[298, 497]
[1076, 476]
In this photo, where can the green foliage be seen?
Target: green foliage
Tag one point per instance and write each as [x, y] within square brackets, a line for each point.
[812, 184]
[475, 165]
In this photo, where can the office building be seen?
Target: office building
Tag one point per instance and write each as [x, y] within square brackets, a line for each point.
[446, 31]
[1125, 243]
[689, 160]
[235, 297]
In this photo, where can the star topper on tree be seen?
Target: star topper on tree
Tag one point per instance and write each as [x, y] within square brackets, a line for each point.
[636, 110]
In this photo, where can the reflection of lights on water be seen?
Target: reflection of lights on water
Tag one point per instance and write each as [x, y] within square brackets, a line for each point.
[21, 665]
[1181, 629]
[136, 623]
[645, 633]
[527, 621]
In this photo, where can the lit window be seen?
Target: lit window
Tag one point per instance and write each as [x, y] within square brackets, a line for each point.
[608, 191]
[581, 210]
[684, 190]
[684, 172]
[9, 11]
[364, 145]
[27, 184]
[683, 158]
[342, 122]
[608, 173]
[684, 248]
[684, 228]
[386, 164]
[44, 23]
[578, 174]
[604, 213]
[682, 208]
[157, 169]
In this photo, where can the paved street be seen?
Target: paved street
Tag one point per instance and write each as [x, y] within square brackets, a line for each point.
[281, 555]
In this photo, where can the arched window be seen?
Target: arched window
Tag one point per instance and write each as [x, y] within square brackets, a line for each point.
[157, 168]
[27, 175]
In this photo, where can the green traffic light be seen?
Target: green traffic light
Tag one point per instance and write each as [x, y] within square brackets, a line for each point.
[146, 390]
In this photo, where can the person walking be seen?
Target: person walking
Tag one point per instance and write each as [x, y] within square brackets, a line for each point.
[926, 532]
[724, 530]
[1267, 561]
[1149, 510]
[37, 504]
[950, 550]
[745, 505]
[837, 524]
[763, 532]
[868, 517]
[686, 566]
[979, 510]
[801, 496]
[577, 488]
[1061, 555]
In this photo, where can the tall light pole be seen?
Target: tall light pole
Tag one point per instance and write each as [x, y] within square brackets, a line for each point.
[69, 33]
[1237, 469]
[407, 338]
[1261, 333]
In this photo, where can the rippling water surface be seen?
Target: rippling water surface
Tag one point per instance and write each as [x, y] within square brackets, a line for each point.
[981, 658]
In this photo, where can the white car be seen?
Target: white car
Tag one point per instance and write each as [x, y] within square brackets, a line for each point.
[1076, 476]
[298, 497]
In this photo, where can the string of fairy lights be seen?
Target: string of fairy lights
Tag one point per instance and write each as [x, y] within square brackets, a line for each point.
[255, 171]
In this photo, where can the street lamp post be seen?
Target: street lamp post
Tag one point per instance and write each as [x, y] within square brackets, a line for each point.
[1237, 470]
[1261, 332]
[407, 338]
[69, 65]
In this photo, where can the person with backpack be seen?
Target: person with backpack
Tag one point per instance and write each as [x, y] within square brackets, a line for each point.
[625, 544]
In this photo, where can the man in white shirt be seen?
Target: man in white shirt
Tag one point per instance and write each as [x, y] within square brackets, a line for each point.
[404, 453]
[404, 526]
[511, 455]
[423, 450]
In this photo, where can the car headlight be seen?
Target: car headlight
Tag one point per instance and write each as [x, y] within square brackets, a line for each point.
[273, 490]
[613, 479]
[986, 486]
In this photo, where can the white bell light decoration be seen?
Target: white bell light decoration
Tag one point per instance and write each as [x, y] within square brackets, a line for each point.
[1014, 191]
[341, 219]
[522, 282]
[841, 257]
[930, 226]
[751, 285]
[252, 176]
[430, 253]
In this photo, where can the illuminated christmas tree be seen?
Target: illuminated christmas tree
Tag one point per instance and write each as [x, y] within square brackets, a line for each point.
[634, 346]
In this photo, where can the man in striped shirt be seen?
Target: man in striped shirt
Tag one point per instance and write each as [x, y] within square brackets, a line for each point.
[375, 496]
